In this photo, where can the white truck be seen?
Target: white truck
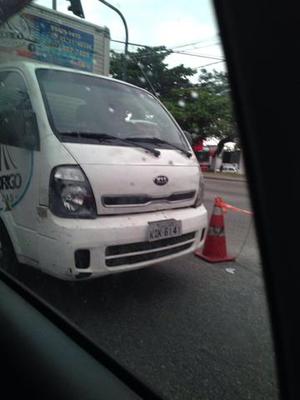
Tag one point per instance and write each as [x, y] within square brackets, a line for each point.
[96, 177]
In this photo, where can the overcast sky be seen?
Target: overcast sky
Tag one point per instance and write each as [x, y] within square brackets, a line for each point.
[159, 22]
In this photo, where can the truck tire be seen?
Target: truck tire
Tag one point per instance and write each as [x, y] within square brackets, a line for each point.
[8, 259]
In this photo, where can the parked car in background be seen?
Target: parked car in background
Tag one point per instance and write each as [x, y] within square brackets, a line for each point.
[228, 168]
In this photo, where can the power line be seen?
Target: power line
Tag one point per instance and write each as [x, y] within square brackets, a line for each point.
[206, 65]
[200, 66]
[202, 47]
[193, 43]
[198, 55]
[183, 52]
[133, 56]
[132, 44]
[171, 48]
[173, 52]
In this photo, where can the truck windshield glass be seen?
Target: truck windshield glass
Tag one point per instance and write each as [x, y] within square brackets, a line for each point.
[86, 104]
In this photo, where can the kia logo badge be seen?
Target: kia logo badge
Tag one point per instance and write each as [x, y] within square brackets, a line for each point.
[161, 180]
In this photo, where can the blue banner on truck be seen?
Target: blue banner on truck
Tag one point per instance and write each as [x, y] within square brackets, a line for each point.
[40, 39]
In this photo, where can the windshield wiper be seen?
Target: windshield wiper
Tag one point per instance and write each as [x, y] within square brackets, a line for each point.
[101, 137]
[160, 141]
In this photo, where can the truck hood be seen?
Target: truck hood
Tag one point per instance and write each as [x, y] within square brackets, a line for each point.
[123, 179]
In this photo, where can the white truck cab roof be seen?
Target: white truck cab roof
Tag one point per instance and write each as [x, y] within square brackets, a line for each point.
[24, 64]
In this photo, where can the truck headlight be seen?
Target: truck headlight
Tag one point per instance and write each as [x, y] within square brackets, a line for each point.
[200, 194]
[70, 194]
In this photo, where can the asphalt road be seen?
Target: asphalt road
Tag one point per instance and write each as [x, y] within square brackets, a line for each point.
[188, 329]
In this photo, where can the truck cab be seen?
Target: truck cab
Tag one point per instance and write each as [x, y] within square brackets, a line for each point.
[96, 177]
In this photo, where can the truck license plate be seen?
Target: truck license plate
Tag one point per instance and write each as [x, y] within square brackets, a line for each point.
[164, 229]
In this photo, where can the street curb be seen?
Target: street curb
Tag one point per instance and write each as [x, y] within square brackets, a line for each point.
[216, 178]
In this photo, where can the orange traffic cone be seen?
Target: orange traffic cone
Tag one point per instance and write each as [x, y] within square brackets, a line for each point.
[215, 249]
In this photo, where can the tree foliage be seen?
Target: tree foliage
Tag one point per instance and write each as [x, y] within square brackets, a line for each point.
[203, 108]
[146, 68]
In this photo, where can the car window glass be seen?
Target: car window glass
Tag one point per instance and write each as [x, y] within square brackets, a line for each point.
[14, 102]
[93, 105]
[134, 218]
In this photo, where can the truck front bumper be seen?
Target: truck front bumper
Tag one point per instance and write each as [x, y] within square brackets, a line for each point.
[74, 249]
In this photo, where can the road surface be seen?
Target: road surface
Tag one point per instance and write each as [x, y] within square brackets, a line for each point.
[188, 329]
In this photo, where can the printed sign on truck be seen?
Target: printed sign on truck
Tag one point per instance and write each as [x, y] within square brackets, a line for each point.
[16, 169]
[38, 38]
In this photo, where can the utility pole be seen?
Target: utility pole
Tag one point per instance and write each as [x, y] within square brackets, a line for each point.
[54, 5]
[126, 36]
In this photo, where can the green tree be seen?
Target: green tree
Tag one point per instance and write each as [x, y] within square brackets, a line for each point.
[146, 68]
[206, 108]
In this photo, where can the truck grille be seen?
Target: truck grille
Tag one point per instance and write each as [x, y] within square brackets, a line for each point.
[142, 200]
[133, 253]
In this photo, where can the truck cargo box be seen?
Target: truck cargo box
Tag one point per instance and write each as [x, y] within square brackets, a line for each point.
[41, 34]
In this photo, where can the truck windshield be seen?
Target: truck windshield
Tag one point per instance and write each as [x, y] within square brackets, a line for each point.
[78, 103]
